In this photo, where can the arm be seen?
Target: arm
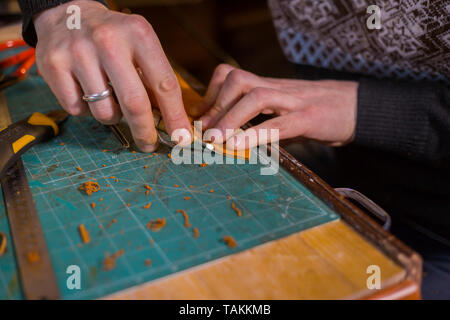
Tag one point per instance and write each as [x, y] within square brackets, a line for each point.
[111, 47]
[405, 118]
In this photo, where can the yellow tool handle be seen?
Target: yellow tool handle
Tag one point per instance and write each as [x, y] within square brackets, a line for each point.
[18, 137]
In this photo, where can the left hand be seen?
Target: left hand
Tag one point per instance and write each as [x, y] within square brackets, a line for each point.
[320, 110]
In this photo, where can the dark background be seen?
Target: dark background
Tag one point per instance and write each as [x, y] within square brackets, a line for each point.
[199, 35]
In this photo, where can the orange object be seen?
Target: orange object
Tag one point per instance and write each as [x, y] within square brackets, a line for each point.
[203, 165]
[238, 211]
[12, 44]
[79, 169]
[229, 240]
[222, 149]
[93, 205]
[26, 59]
[157, 224]
[187, 198]
[17, 58]
[33, 257]
[196, 233]
[109, 263]
[176, 185]
[2, 243]
[148, 262]
[84, 234]
[128, 190]
[186, 217]
[211, 191]
[89, 187]
[148, 205]
[147, 187]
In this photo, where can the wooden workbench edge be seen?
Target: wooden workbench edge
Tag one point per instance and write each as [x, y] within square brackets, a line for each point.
[357, 219]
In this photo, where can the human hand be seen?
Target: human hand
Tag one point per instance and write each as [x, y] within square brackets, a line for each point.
[320, 110]
[109, 46]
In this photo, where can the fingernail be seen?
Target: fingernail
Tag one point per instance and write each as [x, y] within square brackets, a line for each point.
[183, 137]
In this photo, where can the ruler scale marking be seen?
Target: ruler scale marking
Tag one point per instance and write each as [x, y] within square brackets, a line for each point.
[35, 268]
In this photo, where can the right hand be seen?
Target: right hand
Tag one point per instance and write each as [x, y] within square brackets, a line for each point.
[108, 47]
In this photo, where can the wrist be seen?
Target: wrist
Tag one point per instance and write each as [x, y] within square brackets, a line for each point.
[48, 19]
[352, 93]
[53, 17]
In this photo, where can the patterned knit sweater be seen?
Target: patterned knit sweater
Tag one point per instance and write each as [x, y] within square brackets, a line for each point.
[410, 119]
[413, 42]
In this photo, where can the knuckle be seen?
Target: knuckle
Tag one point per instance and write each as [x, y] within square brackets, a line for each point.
[222, 69]
[169, 84]
[140, 26]
[237, 76]
[104, 35]
[54, 59]
[260, 94]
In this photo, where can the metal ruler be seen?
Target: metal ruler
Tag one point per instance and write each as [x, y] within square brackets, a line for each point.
[35, 269]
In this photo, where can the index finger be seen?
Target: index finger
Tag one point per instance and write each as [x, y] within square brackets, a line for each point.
[166, 90]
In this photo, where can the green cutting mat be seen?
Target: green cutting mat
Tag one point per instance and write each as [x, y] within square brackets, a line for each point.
[272, 206]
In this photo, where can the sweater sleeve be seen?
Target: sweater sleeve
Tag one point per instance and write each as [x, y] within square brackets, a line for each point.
[406, 118]
[30, 8]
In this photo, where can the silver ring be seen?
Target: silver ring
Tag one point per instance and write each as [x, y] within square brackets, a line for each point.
[97, 96]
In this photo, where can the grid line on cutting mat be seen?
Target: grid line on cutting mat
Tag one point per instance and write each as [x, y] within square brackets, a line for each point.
[272, 207]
